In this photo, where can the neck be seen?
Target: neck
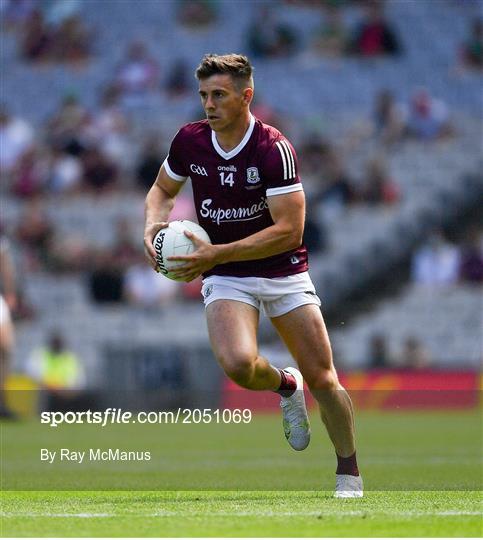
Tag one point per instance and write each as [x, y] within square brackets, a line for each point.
[231, 137]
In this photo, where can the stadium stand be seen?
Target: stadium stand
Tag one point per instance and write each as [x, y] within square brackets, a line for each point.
[422, 313]
[437, 180]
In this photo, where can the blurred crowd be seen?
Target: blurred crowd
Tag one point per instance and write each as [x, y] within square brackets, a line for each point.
[55, 31]
[411, 354]
[441, 263]
[437, 265]
[48, 32]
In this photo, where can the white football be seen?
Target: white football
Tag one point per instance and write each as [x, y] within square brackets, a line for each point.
[172, 241]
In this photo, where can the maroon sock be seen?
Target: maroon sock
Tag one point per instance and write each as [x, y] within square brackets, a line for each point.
[288, 384]
[347, 465]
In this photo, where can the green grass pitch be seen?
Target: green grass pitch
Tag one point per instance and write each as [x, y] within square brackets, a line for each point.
[422, 472]
[225, 514]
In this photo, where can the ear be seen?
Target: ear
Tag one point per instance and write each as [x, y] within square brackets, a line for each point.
[248, 95]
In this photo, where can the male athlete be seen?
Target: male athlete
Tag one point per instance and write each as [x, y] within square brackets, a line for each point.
[250, 201]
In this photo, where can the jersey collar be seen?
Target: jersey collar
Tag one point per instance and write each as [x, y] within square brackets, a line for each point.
[241, 145]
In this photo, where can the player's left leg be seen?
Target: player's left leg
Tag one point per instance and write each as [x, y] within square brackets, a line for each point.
[303, 331]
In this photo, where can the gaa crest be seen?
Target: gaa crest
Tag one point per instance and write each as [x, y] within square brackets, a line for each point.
[207, 291]
[252, 175]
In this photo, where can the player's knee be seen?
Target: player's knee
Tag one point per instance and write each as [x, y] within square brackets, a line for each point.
[324, 380]
[240, 367]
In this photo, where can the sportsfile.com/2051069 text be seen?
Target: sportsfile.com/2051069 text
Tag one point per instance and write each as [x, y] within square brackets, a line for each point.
[113, 415]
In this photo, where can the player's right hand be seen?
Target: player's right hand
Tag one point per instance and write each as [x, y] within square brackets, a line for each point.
[150, 232]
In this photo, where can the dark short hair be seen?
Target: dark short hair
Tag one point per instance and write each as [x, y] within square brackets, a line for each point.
[235, 65]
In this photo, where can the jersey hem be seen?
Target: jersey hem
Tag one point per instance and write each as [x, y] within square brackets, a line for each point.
[256, 274]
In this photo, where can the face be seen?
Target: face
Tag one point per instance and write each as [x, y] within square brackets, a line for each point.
[224, 104]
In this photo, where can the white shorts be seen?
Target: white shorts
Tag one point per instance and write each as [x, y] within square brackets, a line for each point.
[277, 296]
[4, 312]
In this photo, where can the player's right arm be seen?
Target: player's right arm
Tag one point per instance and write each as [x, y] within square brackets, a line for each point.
[159, 203]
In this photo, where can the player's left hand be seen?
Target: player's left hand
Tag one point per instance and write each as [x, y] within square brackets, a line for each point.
[202, 259]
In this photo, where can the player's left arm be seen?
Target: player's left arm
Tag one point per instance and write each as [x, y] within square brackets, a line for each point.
[288, 215]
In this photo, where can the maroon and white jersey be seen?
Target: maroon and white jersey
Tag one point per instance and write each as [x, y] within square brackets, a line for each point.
[231, 190]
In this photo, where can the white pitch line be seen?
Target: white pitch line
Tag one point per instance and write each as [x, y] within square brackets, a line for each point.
[324, 513]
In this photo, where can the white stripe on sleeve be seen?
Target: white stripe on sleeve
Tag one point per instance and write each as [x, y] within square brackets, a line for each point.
[284, 159]
[172, 174]
[292, 161]
[284, 189]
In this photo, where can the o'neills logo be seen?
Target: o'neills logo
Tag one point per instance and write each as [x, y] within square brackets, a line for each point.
[230, 168]
[158, 246]
[220, 215]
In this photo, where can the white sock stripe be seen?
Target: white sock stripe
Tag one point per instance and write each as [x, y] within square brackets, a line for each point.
[284, 160]
[291, 159]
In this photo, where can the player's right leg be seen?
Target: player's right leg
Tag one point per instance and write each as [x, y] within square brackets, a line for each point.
[232, 311]
[232, 327]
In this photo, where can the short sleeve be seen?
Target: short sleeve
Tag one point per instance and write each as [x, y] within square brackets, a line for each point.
[174, 164]
[280, 169]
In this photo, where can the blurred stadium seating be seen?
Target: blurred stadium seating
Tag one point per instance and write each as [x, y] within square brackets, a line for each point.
[439, 180]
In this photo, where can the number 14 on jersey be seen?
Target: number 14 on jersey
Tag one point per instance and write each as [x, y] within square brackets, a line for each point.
[227, 179]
